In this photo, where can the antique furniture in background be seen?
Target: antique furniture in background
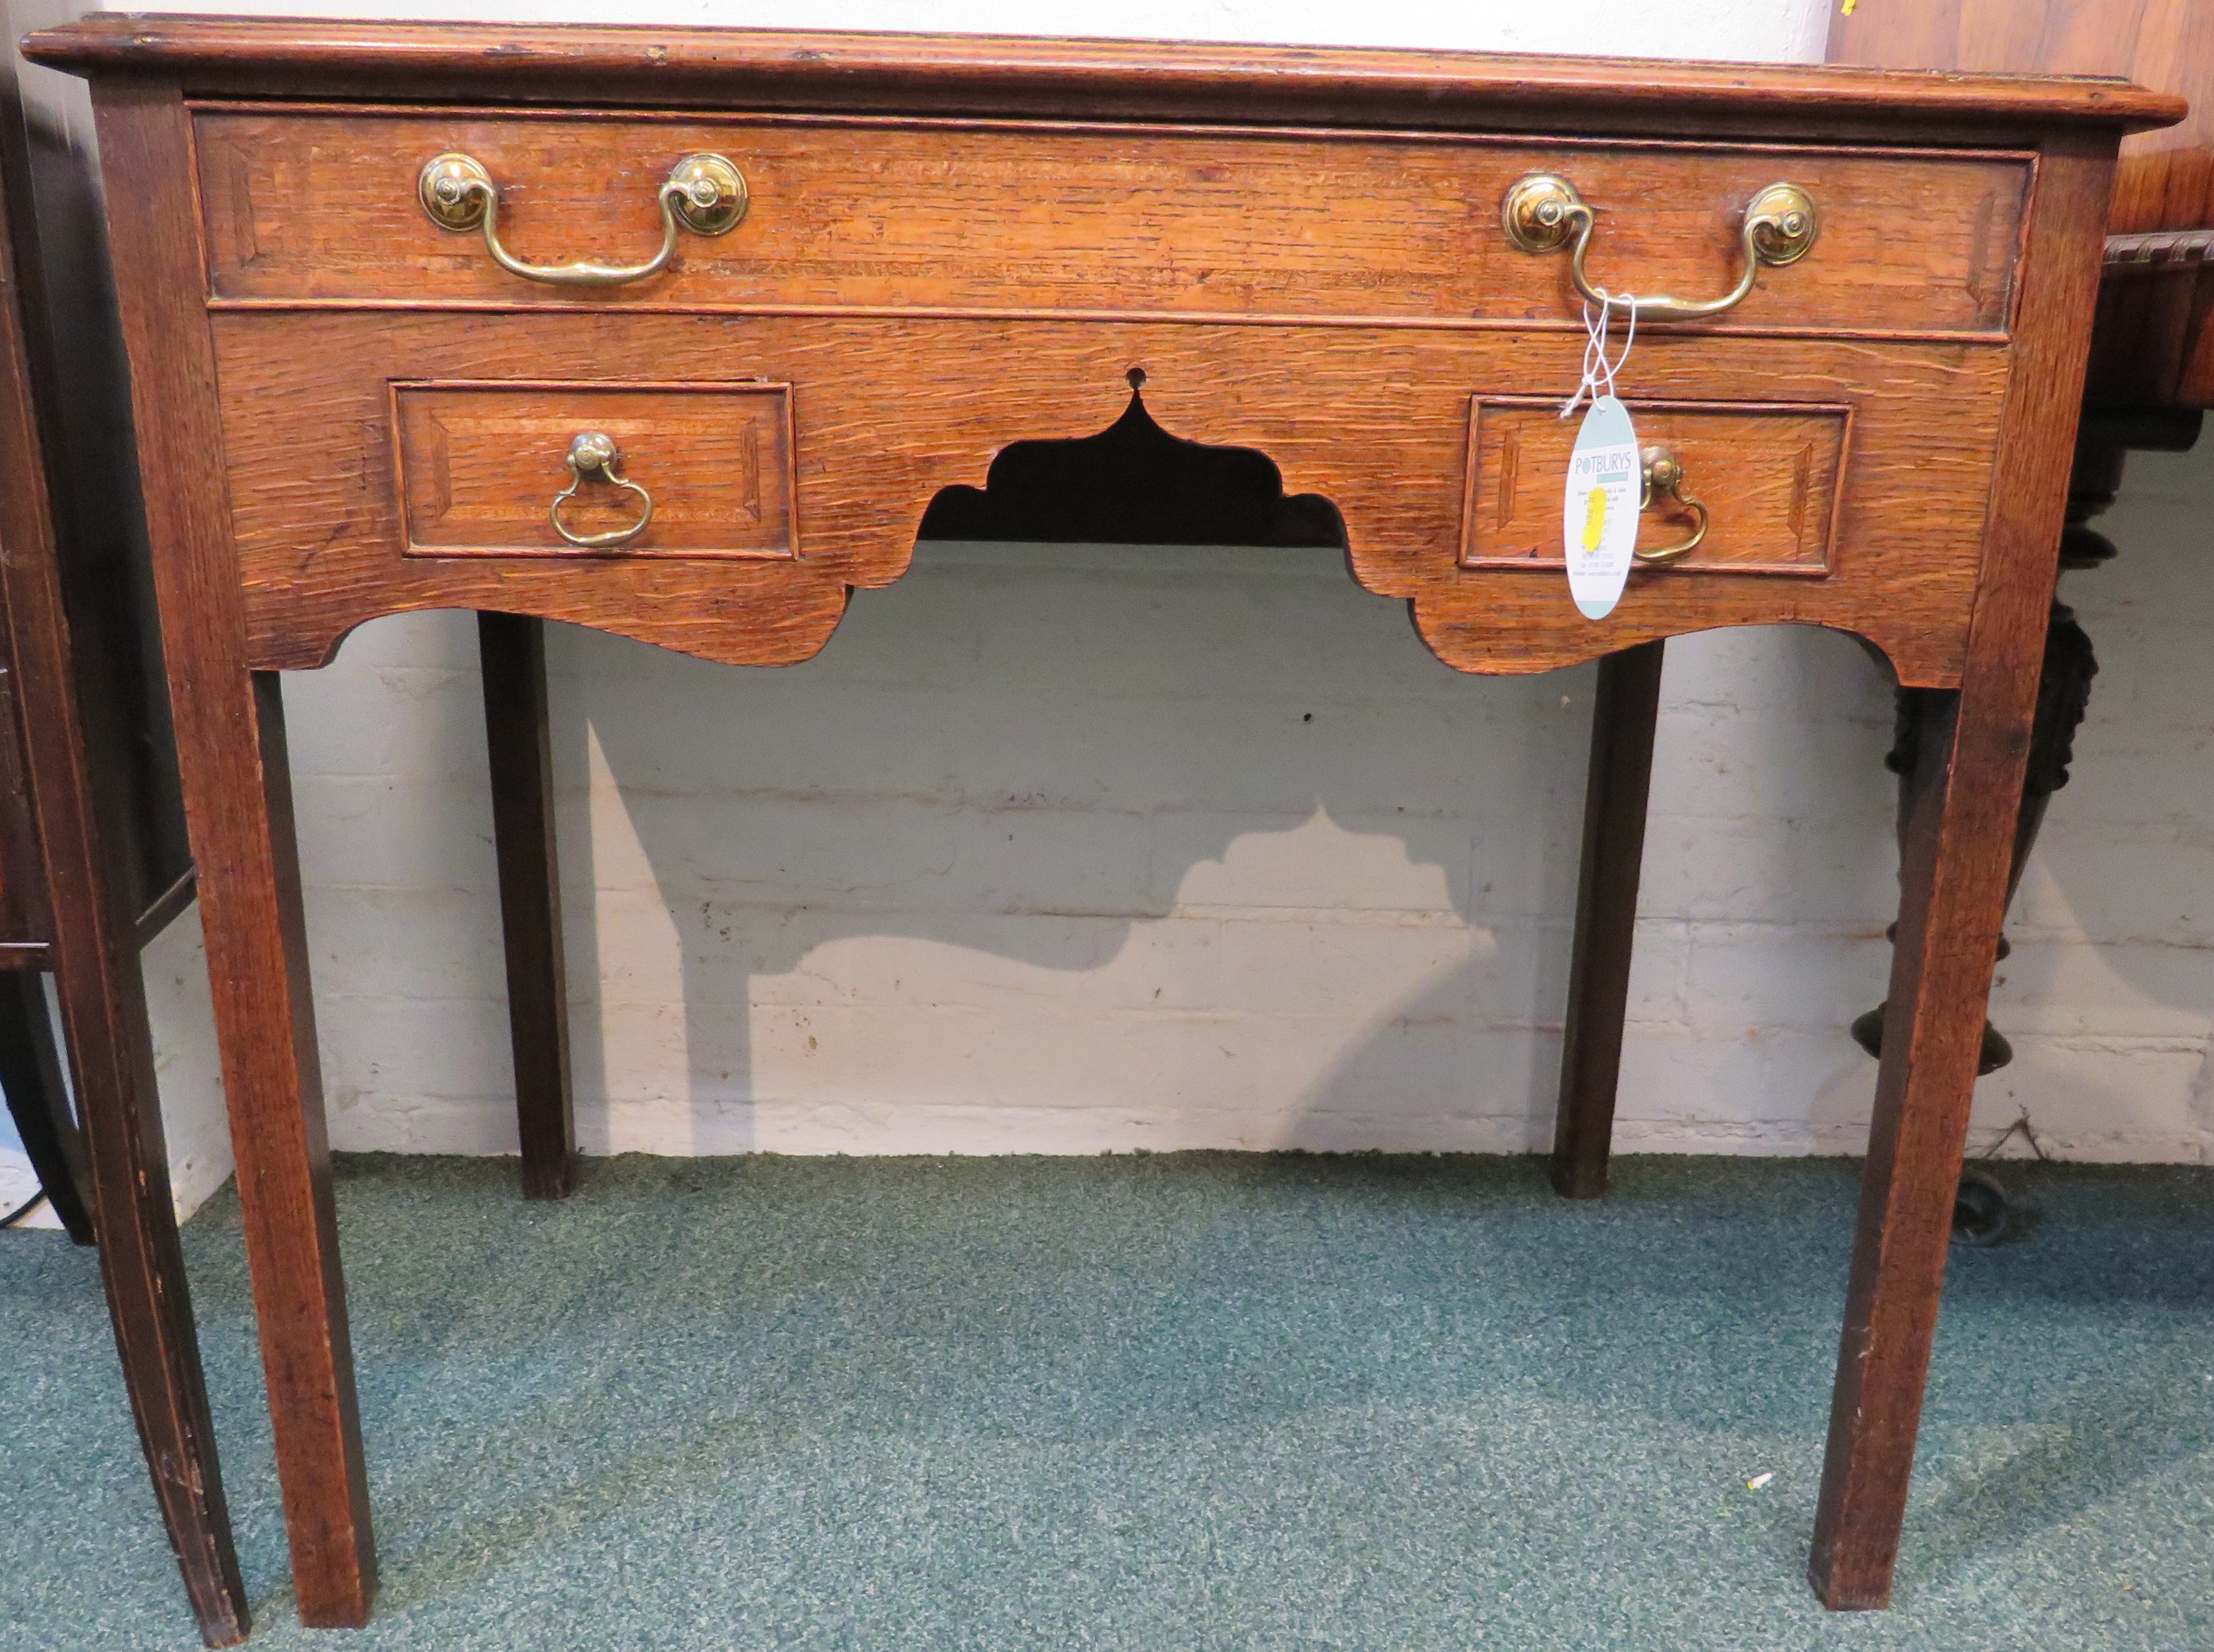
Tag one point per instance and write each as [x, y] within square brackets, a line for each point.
[93, 858]
[2152, 373]
[684, 334]
[2152, 355]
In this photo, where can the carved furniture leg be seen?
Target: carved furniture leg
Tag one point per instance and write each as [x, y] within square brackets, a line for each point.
[2064, 695]
[1623, 714]
[31, 1079]
[513, 651]
[2104, 443]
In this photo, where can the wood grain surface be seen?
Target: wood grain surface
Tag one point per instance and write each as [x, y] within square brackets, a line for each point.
[511, 650]
[230, 752]
[887, 413]
[2152, 346]
[1956, 852]
[1625, 711]
[2166, 178]
[1767, 474]
[480, 466]
[971, 73]
[1022, 218]
[27, 921]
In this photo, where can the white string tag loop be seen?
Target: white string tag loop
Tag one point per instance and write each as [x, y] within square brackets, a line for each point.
[1598, 373]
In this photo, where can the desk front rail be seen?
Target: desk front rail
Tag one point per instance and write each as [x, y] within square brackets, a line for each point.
[863, 420]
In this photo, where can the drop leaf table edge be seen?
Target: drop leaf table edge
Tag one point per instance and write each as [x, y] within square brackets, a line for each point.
[796, 286]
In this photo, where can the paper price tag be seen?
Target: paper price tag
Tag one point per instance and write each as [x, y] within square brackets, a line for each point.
[1599, 512]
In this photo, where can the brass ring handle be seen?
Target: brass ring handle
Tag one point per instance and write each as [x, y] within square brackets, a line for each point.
[1664, 479]
[1542, 211]
[593, 458]
[704, 193]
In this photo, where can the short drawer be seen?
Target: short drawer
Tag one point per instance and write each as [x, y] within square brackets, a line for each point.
[549, 468]
[851, 216]
[1764, 478]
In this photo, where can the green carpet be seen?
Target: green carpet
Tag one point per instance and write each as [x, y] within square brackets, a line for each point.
[1175, 1404]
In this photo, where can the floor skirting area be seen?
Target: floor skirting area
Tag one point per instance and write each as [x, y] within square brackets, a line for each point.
[1161, 1403]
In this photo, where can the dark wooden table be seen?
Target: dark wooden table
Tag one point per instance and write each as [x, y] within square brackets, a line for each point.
[93, 857]
[359, 389]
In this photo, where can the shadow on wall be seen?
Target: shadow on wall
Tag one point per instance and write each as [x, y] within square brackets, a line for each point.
[1079, 848]
[1257, 831]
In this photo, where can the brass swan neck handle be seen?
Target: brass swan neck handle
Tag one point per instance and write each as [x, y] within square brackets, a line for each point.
[704, 193]
[1542, 213]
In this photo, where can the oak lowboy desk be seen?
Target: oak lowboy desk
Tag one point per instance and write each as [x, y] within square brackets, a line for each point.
[680, 334]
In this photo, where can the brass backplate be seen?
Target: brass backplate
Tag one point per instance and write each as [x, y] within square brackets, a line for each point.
[1539, 212]
[1784, 223]
[445, 188]
[711, 194]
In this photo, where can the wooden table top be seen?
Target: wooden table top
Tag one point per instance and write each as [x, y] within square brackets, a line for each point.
[1148, 79]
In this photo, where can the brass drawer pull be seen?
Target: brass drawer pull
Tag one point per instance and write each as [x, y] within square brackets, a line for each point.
[1664, 479]
[593, 458]
[703, 192]
[1542, 211]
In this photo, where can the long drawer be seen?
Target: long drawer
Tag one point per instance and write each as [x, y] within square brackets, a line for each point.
[849, 215]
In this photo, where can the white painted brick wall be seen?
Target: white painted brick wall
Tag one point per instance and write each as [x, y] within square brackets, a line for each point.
[1066, 850]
